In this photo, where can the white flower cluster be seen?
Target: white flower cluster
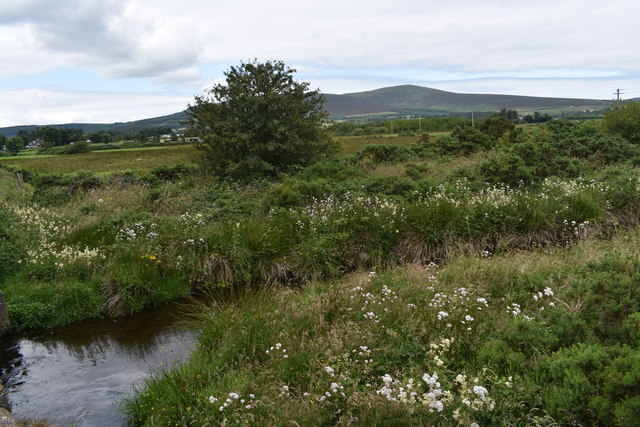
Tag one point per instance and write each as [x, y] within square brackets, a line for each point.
[278, 350]
[335, 389]
[569, 187]
[373, 303]
[362, 353]
[136, 231]
[325, 212]
[63, 256]
[234, 401]
[474, 396]
[49, 230]
[457, 307]
[540, 296]
[41, 221]
[192, 220]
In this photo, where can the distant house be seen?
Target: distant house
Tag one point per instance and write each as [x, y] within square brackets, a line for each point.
[36, 143]
[193, 139]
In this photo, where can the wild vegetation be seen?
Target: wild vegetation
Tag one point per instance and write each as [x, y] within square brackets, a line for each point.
[484, 276]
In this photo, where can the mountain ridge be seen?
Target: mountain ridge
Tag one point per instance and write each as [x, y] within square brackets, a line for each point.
[392, 100]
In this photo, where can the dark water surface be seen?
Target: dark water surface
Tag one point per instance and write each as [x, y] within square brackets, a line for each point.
[81, 374]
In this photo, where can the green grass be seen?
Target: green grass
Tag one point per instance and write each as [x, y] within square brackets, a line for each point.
[353, 144]
[281, 342]
[142, 160]
[295, 255]
[138, 160]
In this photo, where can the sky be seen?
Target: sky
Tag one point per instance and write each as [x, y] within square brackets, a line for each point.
[102, 61]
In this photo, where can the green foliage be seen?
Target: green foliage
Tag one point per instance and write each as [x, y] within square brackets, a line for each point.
[610, 290]
[497, 126]
[592, 384]
[145, 281]
[463, 140]
[561, 148]
[424, 124]
[50, 304]
[14, 144]
[374, 154]
[624, 120]
[52, 136]
[537, 118]
[78, 147]
[260, 123]
[170, 173]
[12, 247]
[55, 189]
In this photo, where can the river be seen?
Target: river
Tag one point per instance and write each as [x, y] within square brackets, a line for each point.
[81, 374]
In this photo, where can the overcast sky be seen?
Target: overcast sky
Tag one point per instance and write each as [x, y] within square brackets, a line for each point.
[119, 60]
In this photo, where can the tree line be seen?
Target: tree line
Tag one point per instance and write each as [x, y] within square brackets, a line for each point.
[50, 136]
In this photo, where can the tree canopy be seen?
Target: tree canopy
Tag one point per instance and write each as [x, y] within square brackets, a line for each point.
[260, 122]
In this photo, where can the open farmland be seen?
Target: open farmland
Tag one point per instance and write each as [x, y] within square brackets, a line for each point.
[138, 160]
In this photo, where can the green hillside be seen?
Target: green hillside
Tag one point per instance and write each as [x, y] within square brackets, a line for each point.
[418, 98]
[407, 99]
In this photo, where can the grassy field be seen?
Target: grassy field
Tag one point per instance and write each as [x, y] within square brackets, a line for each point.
[138, 160]
[464, 280]
[142, 160]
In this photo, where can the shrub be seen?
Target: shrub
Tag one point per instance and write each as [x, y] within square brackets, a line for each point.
[624, 120]
[374, 154]
[610, 291]
[77, 147]
[497, 126]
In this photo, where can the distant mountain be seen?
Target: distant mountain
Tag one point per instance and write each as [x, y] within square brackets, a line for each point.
[396, 100]
[173, 121]
[424, 100]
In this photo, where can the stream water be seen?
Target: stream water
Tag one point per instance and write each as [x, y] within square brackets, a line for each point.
[81, 374]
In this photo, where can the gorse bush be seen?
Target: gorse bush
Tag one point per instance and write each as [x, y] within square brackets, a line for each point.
[624, 120]
[462, 141]
[560, 148]
[373, 154]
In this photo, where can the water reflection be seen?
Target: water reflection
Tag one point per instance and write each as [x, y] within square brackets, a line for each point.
[81, 374]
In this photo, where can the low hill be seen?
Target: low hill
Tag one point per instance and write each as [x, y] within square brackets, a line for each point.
[173, 121]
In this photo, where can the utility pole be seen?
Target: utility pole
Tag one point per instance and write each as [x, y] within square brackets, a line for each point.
[618, 93]
[472, 119]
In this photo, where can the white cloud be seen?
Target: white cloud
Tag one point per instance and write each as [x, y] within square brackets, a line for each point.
[485, 46]
[85, 107]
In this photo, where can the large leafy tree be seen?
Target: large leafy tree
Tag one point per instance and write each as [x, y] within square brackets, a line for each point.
[260, 122]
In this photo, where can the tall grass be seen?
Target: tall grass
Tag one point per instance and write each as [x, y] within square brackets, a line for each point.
[491, 340]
